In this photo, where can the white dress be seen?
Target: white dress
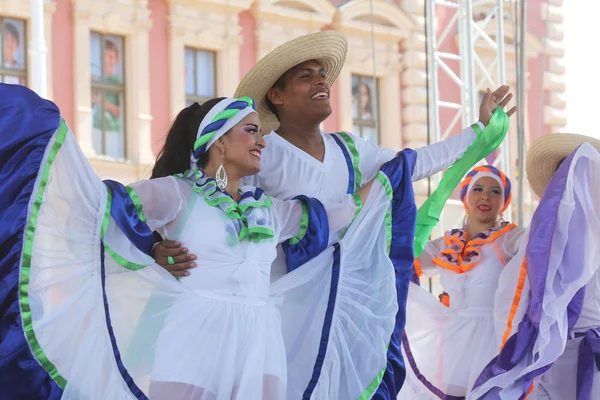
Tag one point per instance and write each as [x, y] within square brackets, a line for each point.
[225, 306]
[447, 347]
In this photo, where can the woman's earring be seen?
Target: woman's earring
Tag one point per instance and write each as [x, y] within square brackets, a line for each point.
[221, 176]
[466, 221]
[501, 222]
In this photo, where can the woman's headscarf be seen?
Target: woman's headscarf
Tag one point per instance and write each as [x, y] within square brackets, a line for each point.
[481, 172]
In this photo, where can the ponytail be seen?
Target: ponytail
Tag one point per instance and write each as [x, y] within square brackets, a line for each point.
[174, 157]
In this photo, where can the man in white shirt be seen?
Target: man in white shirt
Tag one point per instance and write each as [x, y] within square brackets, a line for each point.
[291, 87]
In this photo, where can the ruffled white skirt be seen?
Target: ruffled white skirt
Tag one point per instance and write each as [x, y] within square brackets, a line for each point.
[445, 349]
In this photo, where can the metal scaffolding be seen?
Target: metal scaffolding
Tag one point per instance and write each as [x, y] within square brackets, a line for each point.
[475, 73]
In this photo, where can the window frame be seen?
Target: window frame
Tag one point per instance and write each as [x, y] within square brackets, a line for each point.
[362, 123]
[18, 73]
[102, 85]
[190, 99]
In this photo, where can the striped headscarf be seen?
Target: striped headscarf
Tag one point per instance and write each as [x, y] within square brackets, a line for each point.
[486, 171]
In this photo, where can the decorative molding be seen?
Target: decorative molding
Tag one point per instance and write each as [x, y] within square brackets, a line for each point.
[389, 21]
[208, 25]
[279, 21]
[554, 113]
[113, 16]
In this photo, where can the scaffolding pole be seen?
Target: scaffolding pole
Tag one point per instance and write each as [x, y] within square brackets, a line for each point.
[522, 92]
[474, 74]
[38, 50]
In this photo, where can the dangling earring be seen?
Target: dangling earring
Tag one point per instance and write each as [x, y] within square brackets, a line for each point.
[466, 221]
[221, 176]
[501, 222]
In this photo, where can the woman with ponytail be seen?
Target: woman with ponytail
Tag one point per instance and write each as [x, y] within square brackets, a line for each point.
[448, 346]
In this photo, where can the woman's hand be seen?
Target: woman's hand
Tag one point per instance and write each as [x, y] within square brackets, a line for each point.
[169, 250]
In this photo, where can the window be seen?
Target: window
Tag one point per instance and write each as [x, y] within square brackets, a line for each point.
[108, 95]
[200, 75]
[364, 108]
[12, 51]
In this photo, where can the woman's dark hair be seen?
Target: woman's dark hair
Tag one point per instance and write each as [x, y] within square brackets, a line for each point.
[174, 157]
[559, 164]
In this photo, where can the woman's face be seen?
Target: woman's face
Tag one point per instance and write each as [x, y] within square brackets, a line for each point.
[243, 146]
[485, 200]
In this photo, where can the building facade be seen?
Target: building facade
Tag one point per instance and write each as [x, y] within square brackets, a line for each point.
[120, 70]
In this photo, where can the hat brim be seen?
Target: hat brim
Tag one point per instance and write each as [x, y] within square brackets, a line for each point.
[545, 154]
[328, 48]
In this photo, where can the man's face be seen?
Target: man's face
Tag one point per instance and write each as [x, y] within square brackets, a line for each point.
[305, 94]
[111, 58]
[10, 47]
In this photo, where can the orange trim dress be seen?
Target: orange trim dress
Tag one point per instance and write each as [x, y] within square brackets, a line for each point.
[448, 346]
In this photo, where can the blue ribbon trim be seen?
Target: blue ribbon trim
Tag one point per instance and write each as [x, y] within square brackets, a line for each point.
[349, 163]
[27, 124]
[135, 390]
[335, 276]
[314, 241]
[124, 212]
[404, 215]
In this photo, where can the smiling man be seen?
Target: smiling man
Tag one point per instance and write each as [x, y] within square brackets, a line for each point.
[291, 87]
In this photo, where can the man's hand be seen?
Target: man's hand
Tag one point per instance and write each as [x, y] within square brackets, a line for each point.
[499, 98]
[182, 261]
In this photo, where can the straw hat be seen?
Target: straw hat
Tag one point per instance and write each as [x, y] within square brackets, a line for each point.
[547, 152]
[328, 48]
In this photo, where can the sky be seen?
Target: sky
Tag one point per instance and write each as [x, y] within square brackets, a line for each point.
[582, 64]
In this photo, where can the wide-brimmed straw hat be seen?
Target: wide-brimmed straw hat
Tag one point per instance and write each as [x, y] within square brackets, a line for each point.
[545, 154]
[328, 48]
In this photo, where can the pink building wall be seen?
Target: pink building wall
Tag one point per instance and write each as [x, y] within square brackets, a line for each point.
[248, 51]
[536, 25]
[63, 60]
[159, 72]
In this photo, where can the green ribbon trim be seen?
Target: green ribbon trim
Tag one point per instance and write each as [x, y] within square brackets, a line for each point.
[105, 220]
[381, 177]
[38, 352]
[359, 205]
[257, 233]
[355, 159]
[303, 225]
[373, 385]
[138, 203]
[428, 214]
